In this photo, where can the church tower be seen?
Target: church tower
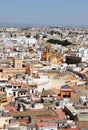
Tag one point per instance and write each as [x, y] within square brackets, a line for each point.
[48, 54]
[17, 63]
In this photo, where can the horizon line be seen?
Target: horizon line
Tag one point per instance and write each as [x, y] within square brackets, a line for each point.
[7, 24]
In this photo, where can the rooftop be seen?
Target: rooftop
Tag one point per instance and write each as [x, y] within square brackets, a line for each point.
[39, 113]
[45, 124]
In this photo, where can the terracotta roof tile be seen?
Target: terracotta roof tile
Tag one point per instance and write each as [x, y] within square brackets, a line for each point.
[38, 113]
[82, 124]
[11, 108]
[45, 124]
[61, 114]
[50, 92]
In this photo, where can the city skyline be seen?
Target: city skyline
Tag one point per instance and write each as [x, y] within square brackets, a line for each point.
[47, 12]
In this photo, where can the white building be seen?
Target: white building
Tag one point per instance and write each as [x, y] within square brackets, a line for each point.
[83, 52]
[43, 82]
[31, 41]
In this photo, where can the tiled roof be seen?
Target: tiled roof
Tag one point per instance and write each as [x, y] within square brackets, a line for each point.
[2, 96]
[37, 113]
[14, 82]
[66, 87]
[45, 124]
[22, 90]
[82, 124]
[61, 114]
[25, 85]
[20, 121]
[50, 92]
[10, 108]
[15, 128]
[75, 97]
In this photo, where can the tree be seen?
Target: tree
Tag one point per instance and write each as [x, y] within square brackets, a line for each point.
[63, 43]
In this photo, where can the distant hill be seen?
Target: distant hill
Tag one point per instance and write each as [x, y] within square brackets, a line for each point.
[3, 24]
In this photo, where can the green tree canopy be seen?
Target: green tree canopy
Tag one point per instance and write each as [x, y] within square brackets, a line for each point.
[58, 42]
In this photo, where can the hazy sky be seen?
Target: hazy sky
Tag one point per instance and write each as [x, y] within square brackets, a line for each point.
[53, 12]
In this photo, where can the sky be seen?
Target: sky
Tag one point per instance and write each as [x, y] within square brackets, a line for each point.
[45, 12]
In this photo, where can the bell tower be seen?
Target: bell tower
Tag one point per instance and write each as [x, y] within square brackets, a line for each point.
[48, 54]
[17, 63]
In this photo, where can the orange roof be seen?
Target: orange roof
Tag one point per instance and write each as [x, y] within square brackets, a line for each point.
[11, 108]
[45, 124]
[14, 82]
[60, 113]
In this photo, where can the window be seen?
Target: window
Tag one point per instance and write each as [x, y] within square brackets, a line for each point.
[9, 93]
[14, 87]
[14, 93]
[19, 86]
